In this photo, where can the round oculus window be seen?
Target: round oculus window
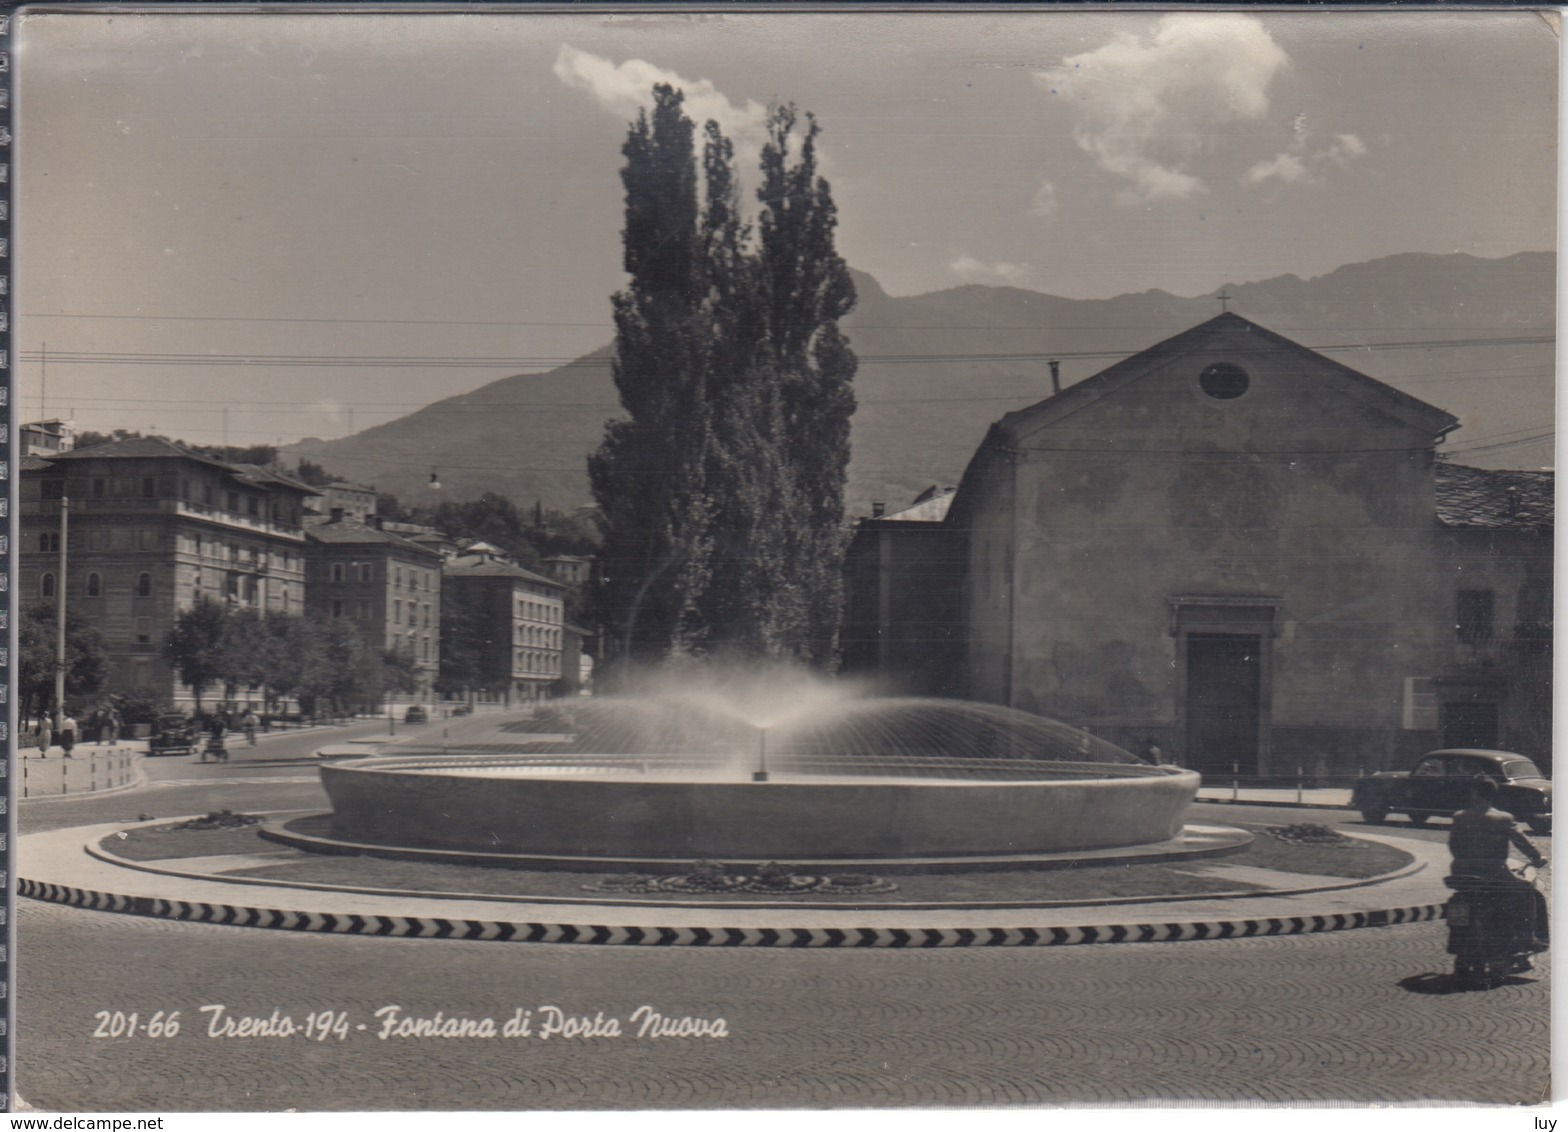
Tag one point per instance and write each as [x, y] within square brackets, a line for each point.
[1223, 381]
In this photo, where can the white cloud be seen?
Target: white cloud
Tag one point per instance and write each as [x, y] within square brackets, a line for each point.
[625, 88]
[1149, 105]
[973, 270]
[1044, 202]
[1303, 163]
[1285, 167]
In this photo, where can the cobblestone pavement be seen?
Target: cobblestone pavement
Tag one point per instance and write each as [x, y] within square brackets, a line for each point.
[1312, 1018]
[1338, 1017]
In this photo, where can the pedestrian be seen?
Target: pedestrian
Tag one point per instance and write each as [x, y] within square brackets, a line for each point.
[45, 737]
[68, 735]
[250, 723]
[1152, 753]
[114, 725]
[100, 725]
[215, 746]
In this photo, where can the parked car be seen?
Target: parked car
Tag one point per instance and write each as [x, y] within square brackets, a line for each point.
[1440, 784]
[416, 714]
[172, 735]
[462, 709]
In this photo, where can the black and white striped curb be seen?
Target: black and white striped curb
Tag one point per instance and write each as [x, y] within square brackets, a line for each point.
[431, 927]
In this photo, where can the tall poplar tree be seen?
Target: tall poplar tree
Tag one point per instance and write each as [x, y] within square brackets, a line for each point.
[648, 474]
[806, 290]
[722, 492]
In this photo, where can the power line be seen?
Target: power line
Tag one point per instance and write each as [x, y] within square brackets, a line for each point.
[390, 361]
[608, 325]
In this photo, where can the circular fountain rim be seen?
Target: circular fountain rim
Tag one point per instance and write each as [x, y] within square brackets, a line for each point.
[902, 772]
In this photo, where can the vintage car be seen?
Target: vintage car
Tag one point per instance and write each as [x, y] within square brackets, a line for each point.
[1440, 784]
[416, 714]
[172, 735]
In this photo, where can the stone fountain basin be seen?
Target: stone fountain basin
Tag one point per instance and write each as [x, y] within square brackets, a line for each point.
[579, 806]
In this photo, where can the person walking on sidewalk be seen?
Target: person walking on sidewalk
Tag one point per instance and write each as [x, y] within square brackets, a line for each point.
[250, 723]
[68, 735]
[112, 724]
[45, 737]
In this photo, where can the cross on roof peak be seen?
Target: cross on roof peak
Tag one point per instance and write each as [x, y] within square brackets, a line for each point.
[1224, 297]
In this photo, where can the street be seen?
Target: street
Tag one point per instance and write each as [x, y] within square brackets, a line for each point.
[1339, 1016]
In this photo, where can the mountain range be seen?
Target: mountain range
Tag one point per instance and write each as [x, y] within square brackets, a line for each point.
[1472, 336]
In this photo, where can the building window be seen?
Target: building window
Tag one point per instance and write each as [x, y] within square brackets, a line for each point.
[233, 500]
[252, 506]
[1473, 617]
[337, 608]
[144, 630]
[1224, 381]
[94, 585]
[46, 586]
[100, 488]
[366, 572]
[49, 542]
[337, 571]
[364, 609]
[144, 585]
[397, 612]
[149, 488]
[251, 589]
[397, 578]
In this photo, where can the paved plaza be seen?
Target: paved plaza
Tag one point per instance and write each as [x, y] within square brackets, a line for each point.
[1360, 1016]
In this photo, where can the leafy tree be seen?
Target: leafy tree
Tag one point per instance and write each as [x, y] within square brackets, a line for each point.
[722, 494]
[471, 644]
[252, 651]
[398, 671]
[807, 289]
[649, 475]
[313, 475]
[195, 646]
[86, 663]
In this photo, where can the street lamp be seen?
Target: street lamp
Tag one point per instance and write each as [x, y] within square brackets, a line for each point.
[59, 598]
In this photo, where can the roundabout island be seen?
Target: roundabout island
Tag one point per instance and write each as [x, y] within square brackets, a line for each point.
[684, 820]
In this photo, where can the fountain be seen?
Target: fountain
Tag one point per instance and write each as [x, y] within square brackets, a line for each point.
[785, 772]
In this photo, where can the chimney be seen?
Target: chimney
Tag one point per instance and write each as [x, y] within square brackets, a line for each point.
[1056, 377]
[877, 510]
[337, 514]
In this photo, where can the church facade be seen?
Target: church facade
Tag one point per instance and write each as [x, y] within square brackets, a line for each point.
[1237, 548]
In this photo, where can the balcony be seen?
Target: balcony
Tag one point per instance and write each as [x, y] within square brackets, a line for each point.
[90, 506]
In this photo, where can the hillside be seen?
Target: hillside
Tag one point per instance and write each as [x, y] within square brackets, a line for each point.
[937, 369]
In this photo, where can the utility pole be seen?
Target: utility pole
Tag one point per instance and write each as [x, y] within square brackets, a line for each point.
[59, 600]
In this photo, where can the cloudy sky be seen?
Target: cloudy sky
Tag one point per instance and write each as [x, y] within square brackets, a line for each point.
[271, 226]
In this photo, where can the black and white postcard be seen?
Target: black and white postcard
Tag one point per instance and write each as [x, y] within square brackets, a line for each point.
[640, 558]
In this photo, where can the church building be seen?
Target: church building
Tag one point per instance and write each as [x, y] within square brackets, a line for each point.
[1233, 546]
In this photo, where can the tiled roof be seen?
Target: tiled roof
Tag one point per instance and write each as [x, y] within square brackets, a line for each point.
[135, 447]
[929, 508]
[484, 567]
[256, 474]
[1494, 500]
[357, 534]
[35, 464]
